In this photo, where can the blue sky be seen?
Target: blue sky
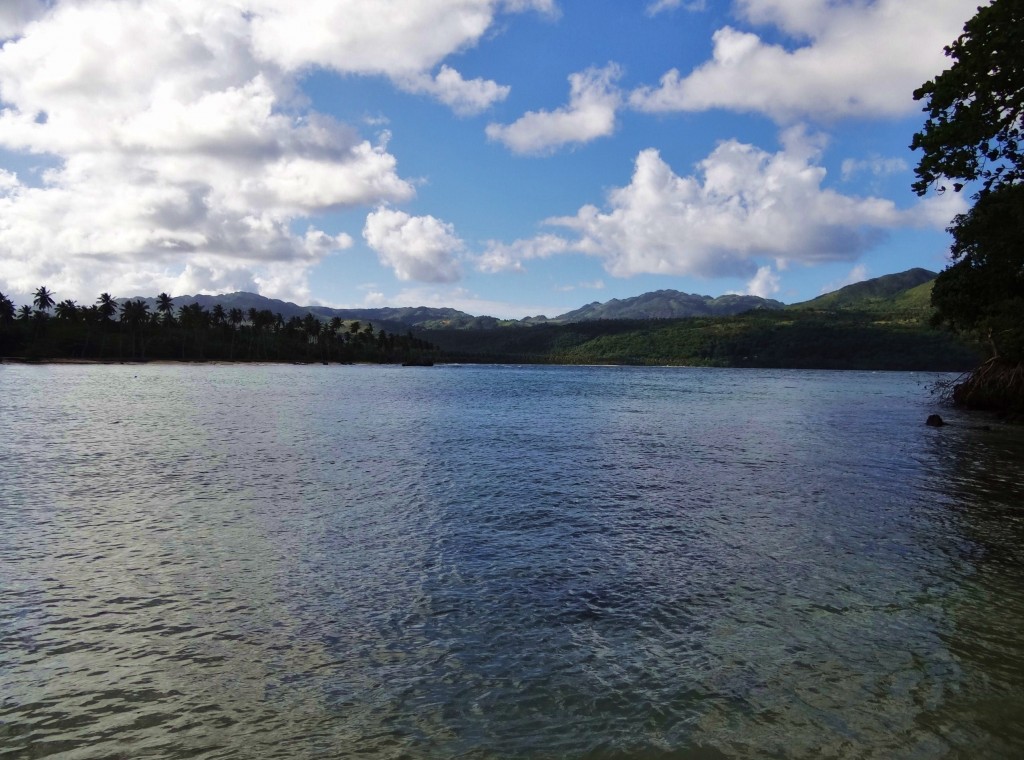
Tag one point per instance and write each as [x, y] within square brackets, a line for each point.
[505, 157]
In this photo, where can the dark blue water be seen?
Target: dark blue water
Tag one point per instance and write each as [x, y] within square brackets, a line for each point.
[496, 562]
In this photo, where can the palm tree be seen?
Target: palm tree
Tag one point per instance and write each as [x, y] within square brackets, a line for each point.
[67, 311]
[165, 306]
[218, 315]
[7, 310]
[133, 317]
[43, 299]
[25, 313]
[107, 306]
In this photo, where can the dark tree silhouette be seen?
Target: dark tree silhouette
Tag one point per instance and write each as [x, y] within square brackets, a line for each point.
[67, 311]
[975, 134]
[107, 306]
[165, 307]
[7, 310]
[42, 299]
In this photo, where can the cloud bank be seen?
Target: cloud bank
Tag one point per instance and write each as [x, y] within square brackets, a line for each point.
[743, 206]
[852, 59]
[176, 149]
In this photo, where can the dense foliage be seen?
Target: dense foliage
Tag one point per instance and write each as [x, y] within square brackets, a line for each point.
[973, 130]
[129, 331]
[879, 324]
[794, 338]
[973, 134]
[983, 290]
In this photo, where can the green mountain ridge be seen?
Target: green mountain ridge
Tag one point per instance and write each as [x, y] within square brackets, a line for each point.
[883, 323]
[879, 324]
[886, 292]
[668, 304]
[659, 304]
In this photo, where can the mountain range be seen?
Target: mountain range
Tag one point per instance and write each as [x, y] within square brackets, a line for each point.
[659, 304]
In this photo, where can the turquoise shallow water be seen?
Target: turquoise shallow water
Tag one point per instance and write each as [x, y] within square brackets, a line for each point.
[493, 562]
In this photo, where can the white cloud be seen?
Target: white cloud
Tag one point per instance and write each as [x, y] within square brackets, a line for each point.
[592, 285]
[395, 38]
[938, 210]
[765, 283]
[16, 14]
[858, 274]
[860, 60]
[183, 152]
[546, 7]
[658, 6]
[743, 205]
[465, 97]
[593, 101]
[418, 248]
[877, 166]
[509, 257]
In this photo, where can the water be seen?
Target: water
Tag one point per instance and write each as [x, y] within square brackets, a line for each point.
[501, 562]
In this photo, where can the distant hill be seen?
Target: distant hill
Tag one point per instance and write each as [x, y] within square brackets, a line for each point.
[660, 304]
[879, 324]
[902, 291]
[389, 318]
[667, 304]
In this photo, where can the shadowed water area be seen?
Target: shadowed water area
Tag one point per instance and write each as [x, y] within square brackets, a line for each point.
[500, 562]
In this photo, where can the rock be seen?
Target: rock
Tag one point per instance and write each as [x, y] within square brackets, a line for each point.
[934, 420]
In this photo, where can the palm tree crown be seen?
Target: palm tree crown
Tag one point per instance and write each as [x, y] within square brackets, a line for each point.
[107, 305]
[43, 299]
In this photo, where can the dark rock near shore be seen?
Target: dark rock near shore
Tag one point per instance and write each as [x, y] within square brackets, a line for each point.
[934, 420]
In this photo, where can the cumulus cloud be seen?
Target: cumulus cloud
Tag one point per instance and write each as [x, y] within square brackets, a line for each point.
[743, 205]
[546, 7]
[852, 60]
[591, 285]
[590, 114]
[657, 7]
[509, 257]
[420, 248]
[464, 97]
[765, 283]
[16, 14]
[877, 166]
[182, 152]
[394, 38]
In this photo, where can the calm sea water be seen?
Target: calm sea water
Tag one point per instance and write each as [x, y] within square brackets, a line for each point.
[502, 562]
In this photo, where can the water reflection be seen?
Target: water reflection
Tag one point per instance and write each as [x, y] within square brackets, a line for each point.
[983, 508]
[497, 562]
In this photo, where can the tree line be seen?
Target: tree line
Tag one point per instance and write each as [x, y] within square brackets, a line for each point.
[108, 330]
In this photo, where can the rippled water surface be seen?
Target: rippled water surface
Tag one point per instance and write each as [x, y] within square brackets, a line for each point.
[500, 562]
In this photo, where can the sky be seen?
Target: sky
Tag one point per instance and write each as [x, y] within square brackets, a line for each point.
[503, 157]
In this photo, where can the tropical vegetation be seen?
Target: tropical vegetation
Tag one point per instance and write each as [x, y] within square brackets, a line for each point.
[883, 323]
[973, 137]
[112, 330]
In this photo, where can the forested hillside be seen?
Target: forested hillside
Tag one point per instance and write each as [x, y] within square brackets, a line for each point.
[878, 324]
